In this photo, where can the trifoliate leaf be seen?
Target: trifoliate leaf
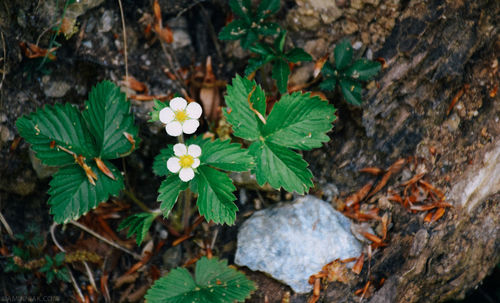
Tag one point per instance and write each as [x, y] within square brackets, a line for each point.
[55, 132]
[363, 70]
[225, 155]
[328, 84]
[137, 224]
[351, 91]
[72, 194]
[249, 39]
[169, 191]
[299, 121]
[280, 73]
[160, 162]
[238, 112]
[343, 54]
[298, 54]
[215, 195]
[214, 281]
[268, 28]
[108, 117]
[328, 70]
[280, 167]
[268, 7]
[262, 49]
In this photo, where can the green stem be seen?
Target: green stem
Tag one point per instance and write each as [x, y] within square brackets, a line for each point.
[137, 201]
[186, 214]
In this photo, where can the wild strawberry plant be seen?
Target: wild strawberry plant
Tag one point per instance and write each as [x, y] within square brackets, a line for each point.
[81, 144]
[280, 60]
[347, 74]
[251, 23]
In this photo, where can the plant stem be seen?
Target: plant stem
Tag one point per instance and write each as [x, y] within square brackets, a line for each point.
[98, 236]
[186, 213]
[137, 201]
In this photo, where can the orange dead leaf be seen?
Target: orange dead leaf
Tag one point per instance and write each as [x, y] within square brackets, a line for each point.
[413, 180]
[372, 170]
[438, 214]
[32, 51]
[104, 286]
[103, 168]
[317, 287]
[382, 62]
[318, 65]
[494, 91]
[371, 237]
[358, 266]
[52, 144]
[157, 11]
[164, 33]
[432, 188]
[397, 165]
[134, 84]
[457, 97]
[381, 183]
[385, 222]
[336, 271]
[256, 112]
[15, 143]
[320, 95]
[429, 216]
[430, 206]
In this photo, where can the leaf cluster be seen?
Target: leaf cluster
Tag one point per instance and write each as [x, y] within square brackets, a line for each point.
[213, 281]
[347, 74]
[297, 122]
[81, 144]
[138, 224]
[276, 55]
[251, 22]
[54, 269]
[214, 187]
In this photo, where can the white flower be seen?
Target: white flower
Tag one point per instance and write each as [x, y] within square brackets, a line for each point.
[187, 158]
[180, 117]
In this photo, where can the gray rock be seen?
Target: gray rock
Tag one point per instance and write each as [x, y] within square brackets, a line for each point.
[56, 89]
[292, 241]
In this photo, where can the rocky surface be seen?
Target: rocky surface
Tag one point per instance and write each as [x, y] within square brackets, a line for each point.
[294, 240]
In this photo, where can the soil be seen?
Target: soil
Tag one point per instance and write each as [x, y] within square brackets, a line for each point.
[406, 115]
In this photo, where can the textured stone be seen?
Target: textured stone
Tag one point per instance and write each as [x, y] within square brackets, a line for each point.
[295, 240]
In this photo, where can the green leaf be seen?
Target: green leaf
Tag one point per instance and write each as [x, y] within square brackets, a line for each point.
[328, 70]
[249, 38]
[280, 73]
[268, 28]
[138, 224]
[215, 195]
[343, 54]
[280, 167]
[108, 117]
[214, 282]
[363, 69]
[238, 113]
[262, 49]
[241, 8]
[328, 84]
[54, 126]
[351, 91]
[268, 7]
[256, 63]
[234, 30]
[279, 43]
[169, 191]
[72, 194]
[299, 121]
[298, 55]
[160, 162]
[225, 155]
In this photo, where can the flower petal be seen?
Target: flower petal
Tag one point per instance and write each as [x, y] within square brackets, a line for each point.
[174, 128]
[196, 163]
[178, 104]
[186, 174]
[166, 115]
[193, 110]
[173, 164]
[194, 150]
[190, 126]
[180, 149]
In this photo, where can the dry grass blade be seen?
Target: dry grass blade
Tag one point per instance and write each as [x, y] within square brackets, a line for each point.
[430, 206]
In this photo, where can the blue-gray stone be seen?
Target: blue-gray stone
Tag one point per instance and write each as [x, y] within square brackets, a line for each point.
[293, 241]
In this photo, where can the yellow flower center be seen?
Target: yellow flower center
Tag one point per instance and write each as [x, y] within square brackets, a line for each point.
[181, 116]
[186, 161]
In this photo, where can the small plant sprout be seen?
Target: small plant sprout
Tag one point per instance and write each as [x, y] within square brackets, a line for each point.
[186, 160]
[180, 117]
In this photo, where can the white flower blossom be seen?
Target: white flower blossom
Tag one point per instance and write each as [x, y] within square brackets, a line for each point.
[181, 117]
[185, 161]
